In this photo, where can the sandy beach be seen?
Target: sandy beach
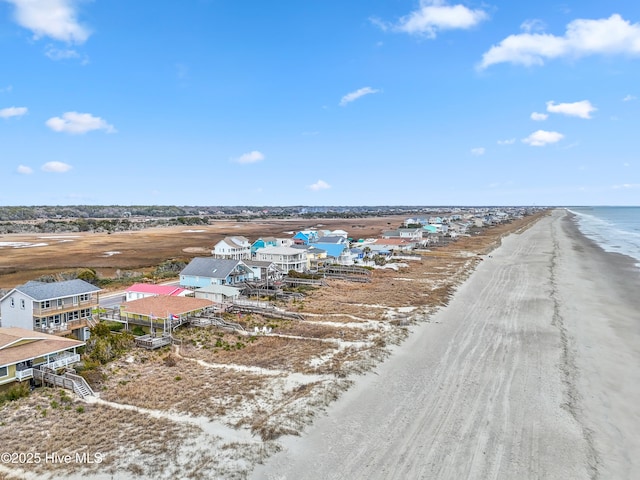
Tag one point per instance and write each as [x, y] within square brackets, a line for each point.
[530, 372]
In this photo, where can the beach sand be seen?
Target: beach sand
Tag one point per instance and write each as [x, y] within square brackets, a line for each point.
[531, 371]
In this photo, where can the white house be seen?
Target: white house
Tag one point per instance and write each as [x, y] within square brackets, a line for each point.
[285, 258]
[232, 248]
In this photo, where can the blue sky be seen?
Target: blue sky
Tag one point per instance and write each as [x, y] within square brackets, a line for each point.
[319, 102]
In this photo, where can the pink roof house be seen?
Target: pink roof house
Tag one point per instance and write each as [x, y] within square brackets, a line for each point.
[143, 290]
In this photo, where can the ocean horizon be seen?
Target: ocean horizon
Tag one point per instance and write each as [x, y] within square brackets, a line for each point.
[615, 229]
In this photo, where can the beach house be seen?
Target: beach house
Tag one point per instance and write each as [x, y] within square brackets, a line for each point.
[23, 350]
[204, 271]
[142, 290]
[59, 308]
[286, 258]
[232, 248]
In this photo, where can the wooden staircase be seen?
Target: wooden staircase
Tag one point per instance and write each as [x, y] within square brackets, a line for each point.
[68, 381]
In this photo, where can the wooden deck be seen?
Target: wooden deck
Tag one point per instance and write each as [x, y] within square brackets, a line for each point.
[152, 342]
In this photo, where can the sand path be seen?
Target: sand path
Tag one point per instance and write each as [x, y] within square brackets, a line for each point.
[508, 382]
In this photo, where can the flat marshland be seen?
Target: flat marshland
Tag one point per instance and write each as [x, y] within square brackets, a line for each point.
[220, 403]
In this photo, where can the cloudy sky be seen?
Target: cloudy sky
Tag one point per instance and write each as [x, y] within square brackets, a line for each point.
[319, 102]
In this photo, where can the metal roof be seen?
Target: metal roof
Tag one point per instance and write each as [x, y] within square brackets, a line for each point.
[210, 267]
[40, 291]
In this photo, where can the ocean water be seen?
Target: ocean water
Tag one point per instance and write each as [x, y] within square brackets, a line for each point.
[615, 229]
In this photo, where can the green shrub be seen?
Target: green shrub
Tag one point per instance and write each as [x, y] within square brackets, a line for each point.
[19, 390]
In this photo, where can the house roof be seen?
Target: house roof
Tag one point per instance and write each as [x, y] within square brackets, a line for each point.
[39, 344]
[258, 263]
[331, 239]
[164, 305]
[235, 241]
[210, 267]
[223, 289]
[47, 291]
[156, 289]
[280, 250]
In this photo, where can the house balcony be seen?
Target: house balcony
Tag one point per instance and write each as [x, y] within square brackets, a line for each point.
[24, 374]
[56, 362]
[62, 360]
[68, 307]
[64, 328]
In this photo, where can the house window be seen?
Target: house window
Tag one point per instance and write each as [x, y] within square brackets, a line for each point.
[4, 371]
[22, 303]
[84, 297]
[60, 303]
[45, 304]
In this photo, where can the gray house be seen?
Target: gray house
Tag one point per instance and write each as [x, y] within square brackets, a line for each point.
[205, 271]
[59, 308]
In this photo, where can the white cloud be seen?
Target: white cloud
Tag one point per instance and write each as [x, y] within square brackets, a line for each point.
[13, 112]
[433, 16]
[606, 36]
[361, 92]
[56, 167]
[6, 89]
[56, 19]
[319, 185]
[539, 117]
[581, 109]
[629, 98]
[24, 170]
[540, 138]
[250, 157]
[478, 151]
[509, 141]
[533, 25]
[78, 123]
[57, 54]
[626, 186]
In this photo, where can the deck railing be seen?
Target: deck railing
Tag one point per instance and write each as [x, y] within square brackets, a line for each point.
[24, 374]
[63, 327]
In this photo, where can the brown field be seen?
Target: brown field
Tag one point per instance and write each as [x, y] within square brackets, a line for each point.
[142, 250]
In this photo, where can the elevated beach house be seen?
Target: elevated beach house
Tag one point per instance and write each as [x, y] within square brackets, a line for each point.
[162, 312]
[337, 248]
[23, 350]
[286, 258]
[232, 248]
[59, 308]
[204, 271]
[269, 242]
